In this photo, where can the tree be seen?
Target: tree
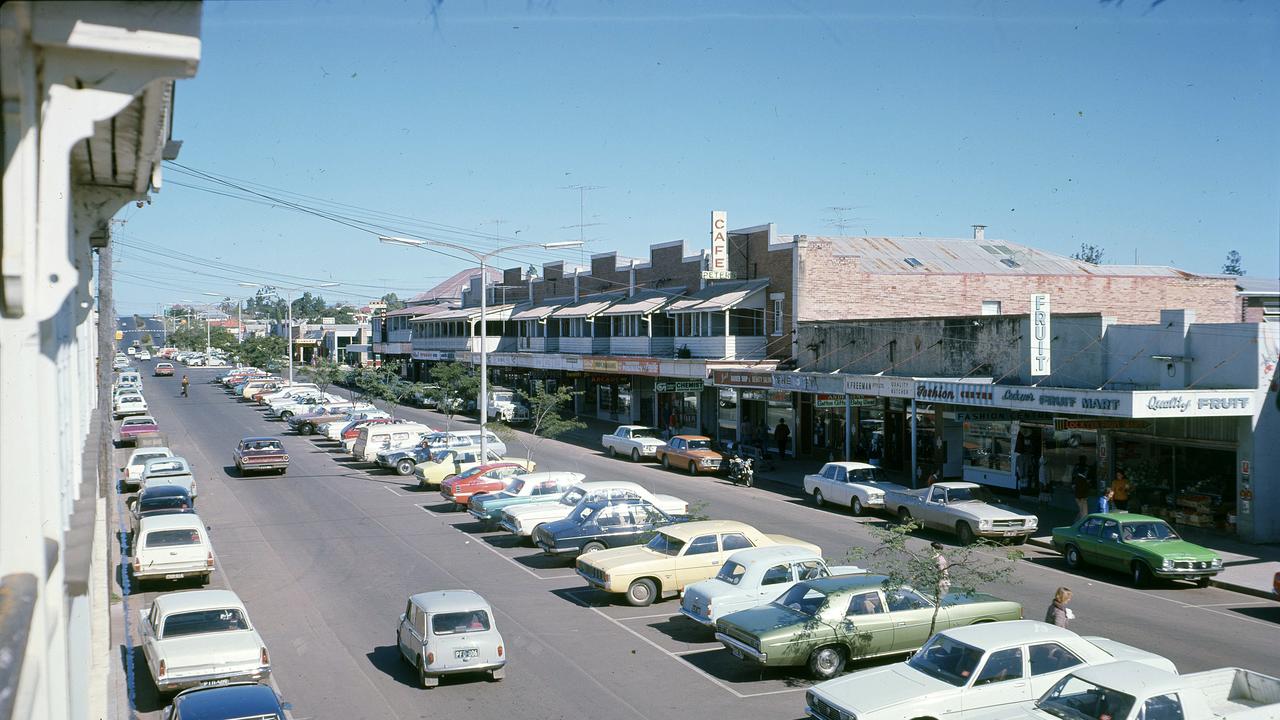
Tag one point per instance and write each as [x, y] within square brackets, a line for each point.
[341, 314]
[452, 383]
[384, 383]
[905, 562]
[546, 419]
[263, 352]
[146, 340]
[393, 302]
[1232, 265]
[139, 323]
[324, 373]
[1089, 253]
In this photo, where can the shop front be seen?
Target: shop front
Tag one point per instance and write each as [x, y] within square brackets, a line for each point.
[679, 405]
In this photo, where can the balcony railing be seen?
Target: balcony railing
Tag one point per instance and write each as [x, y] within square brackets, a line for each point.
[732, 347]
[652, 347]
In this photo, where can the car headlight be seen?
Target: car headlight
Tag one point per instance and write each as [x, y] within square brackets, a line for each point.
[1167, 564]
[1217, 562]
[1033, 521]
[984, 524]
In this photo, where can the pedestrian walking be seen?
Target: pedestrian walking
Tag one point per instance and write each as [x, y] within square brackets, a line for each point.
[1058, 613]
[781, 435]
[944, 575]
[671, 424]
[1120, 489]
[1104, 502]
[185, 383]
[1080, 486]
[1046, 485]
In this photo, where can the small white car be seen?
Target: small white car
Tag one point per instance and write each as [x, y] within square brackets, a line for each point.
[129, 404]
[857, 486]
[522, 520]
[963, 671]
[171, 470]
[201, 637]
[144, 355]
[633, 441]
[448, 632]
[132, 470]
[171, 547]
[754, 577]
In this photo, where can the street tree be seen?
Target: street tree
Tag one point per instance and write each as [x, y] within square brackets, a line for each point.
[451, 385]
[546, 418]
[384, 383]
[324, 373]
[146, 340]
[393, 301]
[1089, 253]
[263, 352]
[1233, 264]
[907, 562]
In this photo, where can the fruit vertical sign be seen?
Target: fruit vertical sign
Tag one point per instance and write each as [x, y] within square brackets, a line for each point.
[1041, 337]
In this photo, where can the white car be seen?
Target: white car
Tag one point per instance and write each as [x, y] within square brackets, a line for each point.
[966, 670]
[129, 404]
[522, 520]
[132, 351]
[168, 471]
[754, 577]
[171, 547]
[132, 470]
[633, 441]
[144, 355]
[450, 632]
[505, 406]
[201, 637]
[857, 486]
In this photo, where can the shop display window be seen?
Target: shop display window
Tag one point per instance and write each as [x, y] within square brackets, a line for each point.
[986, 444]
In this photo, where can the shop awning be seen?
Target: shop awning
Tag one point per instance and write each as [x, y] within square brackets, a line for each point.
[588, 307]
[723, 296]
[644, 303]
[528, 311]
[494, 312]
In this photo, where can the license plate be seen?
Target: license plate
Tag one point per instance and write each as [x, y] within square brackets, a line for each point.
[736, 653]
[466, 654]
[173, 576]
[1011, 533]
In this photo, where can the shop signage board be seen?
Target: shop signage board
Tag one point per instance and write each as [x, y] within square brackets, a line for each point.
[718, 265]
[630, 366]
[1054, 400]
[879, 386]
[829, 401]
[431, 355]
[742, 378]
[678, 386]
[1100, 424]
[1041, 337]
[1193, 403]
[795, 382]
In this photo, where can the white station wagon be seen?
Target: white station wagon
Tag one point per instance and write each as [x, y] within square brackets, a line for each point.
[132, 470]
[201, 637]
[754, 577]
[129, 404]
[448, 632]
[172, 547]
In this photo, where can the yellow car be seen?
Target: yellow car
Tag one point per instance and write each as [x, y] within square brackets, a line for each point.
[677, 556]
[444, 464]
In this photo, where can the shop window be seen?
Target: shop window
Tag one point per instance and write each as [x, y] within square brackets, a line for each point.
[986, 444]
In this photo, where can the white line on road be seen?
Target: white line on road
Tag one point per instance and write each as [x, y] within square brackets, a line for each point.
[650, 617]
[494, 550]
[393, 491]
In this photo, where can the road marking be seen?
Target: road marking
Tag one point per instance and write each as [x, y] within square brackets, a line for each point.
[650, 617]
[494, 550]
[1236, 604]
[393, 491]
[676, 655]
[424, 509]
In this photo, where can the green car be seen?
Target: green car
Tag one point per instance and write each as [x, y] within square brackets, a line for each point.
[1140, 545]
[827, 622]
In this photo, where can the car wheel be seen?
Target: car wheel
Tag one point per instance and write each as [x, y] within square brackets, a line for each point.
[826, 663]
[642, 592]
[536, 528]
[1141, 574]
[1203, 583]
[613, 452]
[965, 533]
[904, 516]
[404, 467]
[666, 462]
[1020, 540]
[693, 468]
[286, 415]
[818, 499]
[635, 455]
[284, 470]
[1074, 560]
[204, 579]
[856, 506]
[592, 547]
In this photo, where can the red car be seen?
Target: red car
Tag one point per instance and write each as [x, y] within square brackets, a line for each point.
[479, 480]
[353, 428]
[132, 428]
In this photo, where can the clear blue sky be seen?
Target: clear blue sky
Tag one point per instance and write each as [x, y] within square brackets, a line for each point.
[1147, 130]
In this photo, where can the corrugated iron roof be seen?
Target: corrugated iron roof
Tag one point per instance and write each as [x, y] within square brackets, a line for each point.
[721, 296]
[587, 307]
[644, 302]
[527, 311]
[1258, 286]
[453, 287]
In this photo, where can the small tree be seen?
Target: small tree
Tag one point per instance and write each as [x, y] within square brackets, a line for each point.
[384, 383]
[1232, 266]
[393, 302]
[324, 373]
[453, 383]
[1089, 253]
[905, 563]
[546, 419]
[146, 340]
[263, 352]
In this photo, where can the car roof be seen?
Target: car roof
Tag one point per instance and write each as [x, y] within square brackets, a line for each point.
[259, 439]
[552, 475]
[596, 485]
[187, 521]
[246, 700]
[1144, 679]
[449, 600]
[139, 420]
[166, 490]
[1126, 517]
[771, 553]
[693, 437]
[837, 583]
[195, 599]
[157, 448]
[999, 634]
[853, 466]
[955, 484]
[689, 530]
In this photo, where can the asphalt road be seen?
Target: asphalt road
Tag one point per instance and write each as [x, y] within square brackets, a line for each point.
[325, 557]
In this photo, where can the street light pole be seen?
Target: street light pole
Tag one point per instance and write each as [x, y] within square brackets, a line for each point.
[482, 258]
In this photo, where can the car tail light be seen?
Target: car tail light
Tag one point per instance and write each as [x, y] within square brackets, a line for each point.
[431, 658]
[209, 561]
[137, 565]
[266, 660]
[499, 651]
[163, 669]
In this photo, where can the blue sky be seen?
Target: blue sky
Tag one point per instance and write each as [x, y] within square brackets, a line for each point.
[1147, 131]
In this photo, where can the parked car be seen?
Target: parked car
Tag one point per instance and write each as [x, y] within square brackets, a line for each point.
[309, 423]
[261, 454]
[300, 404]
[524, 519]
[131, 471]
[449, 632]
[143, 355]
[506, 407]
[480, 480]
[445, 464]
[162, 369]
[159, 500]
[224, 702]
[129, 404]
[633, 441]
[754, 577]
[857, 486]
[403, 460]
[131, 428]
[1128, 690]
[1145, 547]
[425, 398]
[199, 637]
[970, 669]
[823, 624]
[171, 546]
[350, 430]
[679, 555]
[602, 524]
[373, 438]
[689, 452]
[171, 470]
[523, 489]
[964, 508]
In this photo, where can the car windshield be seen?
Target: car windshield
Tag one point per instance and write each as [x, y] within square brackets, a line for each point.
[460, 622]
[803, 599]
[200, 622]
[870, 476]
[515, 486]
[947, 660]
[263, 445]
[699, 444]
[644, 432]
[1148, 530]
[155, 468]
[503, 397]
[142, 459]
[166, 502]
[665, 544]
[731, 573]
[968, 494]
[573, 497]
[1076, 699]
[139, 421]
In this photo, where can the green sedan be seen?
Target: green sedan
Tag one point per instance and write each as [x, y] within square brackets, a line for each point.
[825, 623]
[1140, 545]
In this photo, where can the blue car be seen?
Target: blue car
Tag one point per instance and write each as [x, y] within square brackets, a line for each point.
[227, 702]
[599, 524]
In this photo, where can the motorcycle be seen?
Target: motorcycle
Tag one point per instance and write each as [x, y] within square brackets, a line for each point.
[740, 471]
